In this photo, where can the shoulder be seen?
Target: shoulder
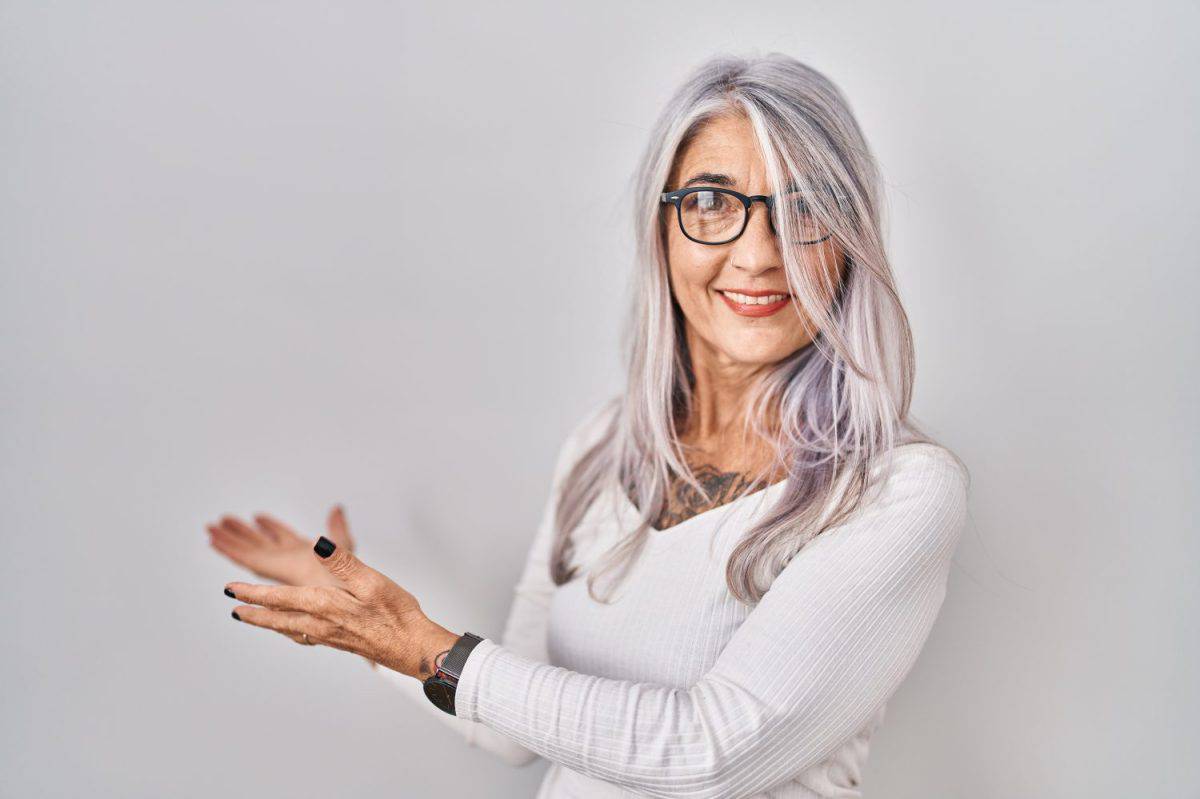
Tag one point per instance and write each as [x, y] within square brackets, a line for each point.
[924, 462]
[918, 490]
[905, 528]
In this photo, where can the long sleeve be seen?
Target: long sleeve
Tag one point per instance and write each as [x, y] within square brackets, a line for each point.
[828, 644]
[525, 628]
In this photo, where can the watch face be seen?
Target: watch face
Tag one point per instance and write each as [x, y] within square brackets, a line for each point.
[441, 693]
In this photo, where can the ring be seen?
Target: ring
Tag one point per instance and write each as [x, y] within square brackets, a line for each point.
[306, 641]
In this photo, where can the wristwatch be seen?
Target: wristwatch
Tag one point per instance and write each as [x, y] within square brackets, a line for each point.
[440, 687]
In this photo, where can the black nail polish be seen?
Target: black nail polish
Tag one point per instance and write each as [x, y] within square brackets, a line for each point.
[324, 547]
[234, 612]
[229, 593]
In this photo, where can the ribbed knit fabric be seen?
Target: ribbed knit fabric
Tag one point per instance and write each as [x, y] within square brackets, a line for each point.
[678, 690]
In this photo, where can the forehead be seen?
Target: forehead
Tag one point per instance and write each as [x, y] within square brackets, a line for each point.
[722, 145]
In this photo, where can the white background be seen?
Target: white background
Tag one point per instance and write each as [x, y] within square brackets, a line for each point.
[272, 256]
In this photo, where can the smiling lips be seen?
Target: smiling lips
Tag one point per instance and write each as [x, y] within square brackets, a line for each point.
[746, 302]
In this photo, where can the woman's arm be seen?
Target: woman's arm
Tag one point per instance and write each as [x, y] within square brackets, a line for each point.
[824, 649]
[525, 628]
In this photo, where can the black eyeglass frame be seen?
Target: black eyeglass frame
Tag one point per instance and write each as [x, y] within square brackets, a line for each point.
[676, 198]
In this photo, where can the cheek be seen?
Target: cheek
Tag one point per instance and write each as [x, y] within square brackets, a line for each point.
[692, 268]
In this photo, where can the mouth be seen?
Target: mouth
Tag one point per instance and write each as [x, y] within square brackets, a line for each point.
[755, 303]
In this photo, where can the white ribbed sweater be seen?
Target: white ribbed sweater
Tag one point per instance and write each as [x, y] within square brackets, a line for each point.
[678, 690]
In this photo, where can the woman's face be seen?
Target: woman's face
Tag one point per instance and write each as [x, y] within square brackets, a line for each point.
[722, 332]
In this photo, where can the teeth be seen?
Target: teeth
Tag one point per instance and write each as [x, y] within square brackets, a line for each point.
[748, 300]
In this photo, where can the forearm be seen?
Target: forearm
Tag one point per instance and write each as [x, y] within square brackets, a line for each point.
[652, 739]
[472, 732]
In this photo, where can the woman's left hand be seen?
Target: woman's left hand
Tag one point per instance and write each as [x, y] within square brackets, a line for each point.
[371, 616]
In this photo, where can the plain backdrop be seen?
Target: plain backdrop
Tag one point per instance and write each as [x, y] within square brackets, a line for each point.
[273, 256]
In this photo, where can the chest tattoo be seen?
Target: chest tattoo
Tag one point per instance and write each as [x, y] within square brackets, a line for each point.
[684, 502]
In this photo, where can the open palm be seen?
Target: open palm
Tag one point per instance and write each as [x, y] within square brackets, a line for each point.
[275, 551]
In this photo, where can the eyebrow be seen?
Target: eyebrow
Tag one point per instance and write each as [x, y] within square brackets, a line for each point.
[719, 179]
[710, 177]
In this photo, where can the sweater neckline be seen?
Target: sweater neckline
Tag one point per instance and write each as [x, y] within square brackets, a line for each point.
[703, 515]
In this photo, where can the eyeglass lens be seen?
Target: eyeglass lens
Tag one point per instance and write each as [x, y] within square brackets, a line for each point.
[714, 217]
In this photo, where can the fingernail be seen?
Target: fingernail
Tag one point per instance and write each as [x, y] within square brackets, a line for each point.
[234, 612]
[324, 547]
[229, 593]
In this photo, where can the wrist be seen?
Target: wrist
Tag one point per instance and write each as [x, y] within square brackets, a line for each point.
[442, 688]
[432, 647]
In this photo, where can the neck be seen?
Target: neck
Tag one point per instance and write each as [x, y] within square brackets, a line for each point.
[719, 408]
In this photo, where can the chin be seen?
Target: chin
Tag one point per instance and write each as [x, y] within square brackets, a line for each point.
[757, 355]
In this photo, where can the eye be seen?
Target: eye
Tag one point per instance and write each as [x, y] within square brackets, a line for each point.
[709, 203]
[809, 230]
[797, 200]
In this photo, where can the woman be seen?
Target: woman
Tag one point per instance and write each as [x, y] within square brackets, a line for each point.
[742, 554]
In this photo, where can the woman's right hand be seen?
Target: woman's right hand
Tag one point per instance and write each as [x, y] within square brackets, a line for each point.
[273, 550]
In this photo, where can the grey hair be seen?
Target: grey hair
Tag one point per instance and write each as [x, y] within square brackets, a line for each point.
[831, 408]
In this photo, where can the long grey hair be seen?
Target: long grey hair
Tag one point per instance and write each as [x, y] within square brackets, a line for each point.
[831, 408]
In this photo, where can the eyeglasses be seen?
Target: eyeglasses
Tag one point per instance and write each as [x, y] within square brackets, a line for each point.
[709, 215]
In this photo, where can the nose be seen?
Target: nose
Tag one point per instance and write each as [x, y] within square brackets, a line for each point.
[756, 250]
[766, 213]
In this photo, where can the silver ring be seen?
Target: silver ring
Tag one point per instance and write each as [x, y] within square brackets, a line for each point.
[306, 641]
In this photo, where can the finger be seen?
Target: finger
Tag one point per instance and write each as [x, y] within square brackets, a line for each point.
[267, 532]
[300, 638]
[305, 598]
[236, 526]
[277, 528]
[339, 529]
[336, 523]
[343, 564]
[291, 623]
[231, 548]
[226, 539]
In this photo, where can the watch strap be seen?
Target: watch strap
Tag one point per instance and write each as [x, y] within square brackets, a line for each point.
[456, 658]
